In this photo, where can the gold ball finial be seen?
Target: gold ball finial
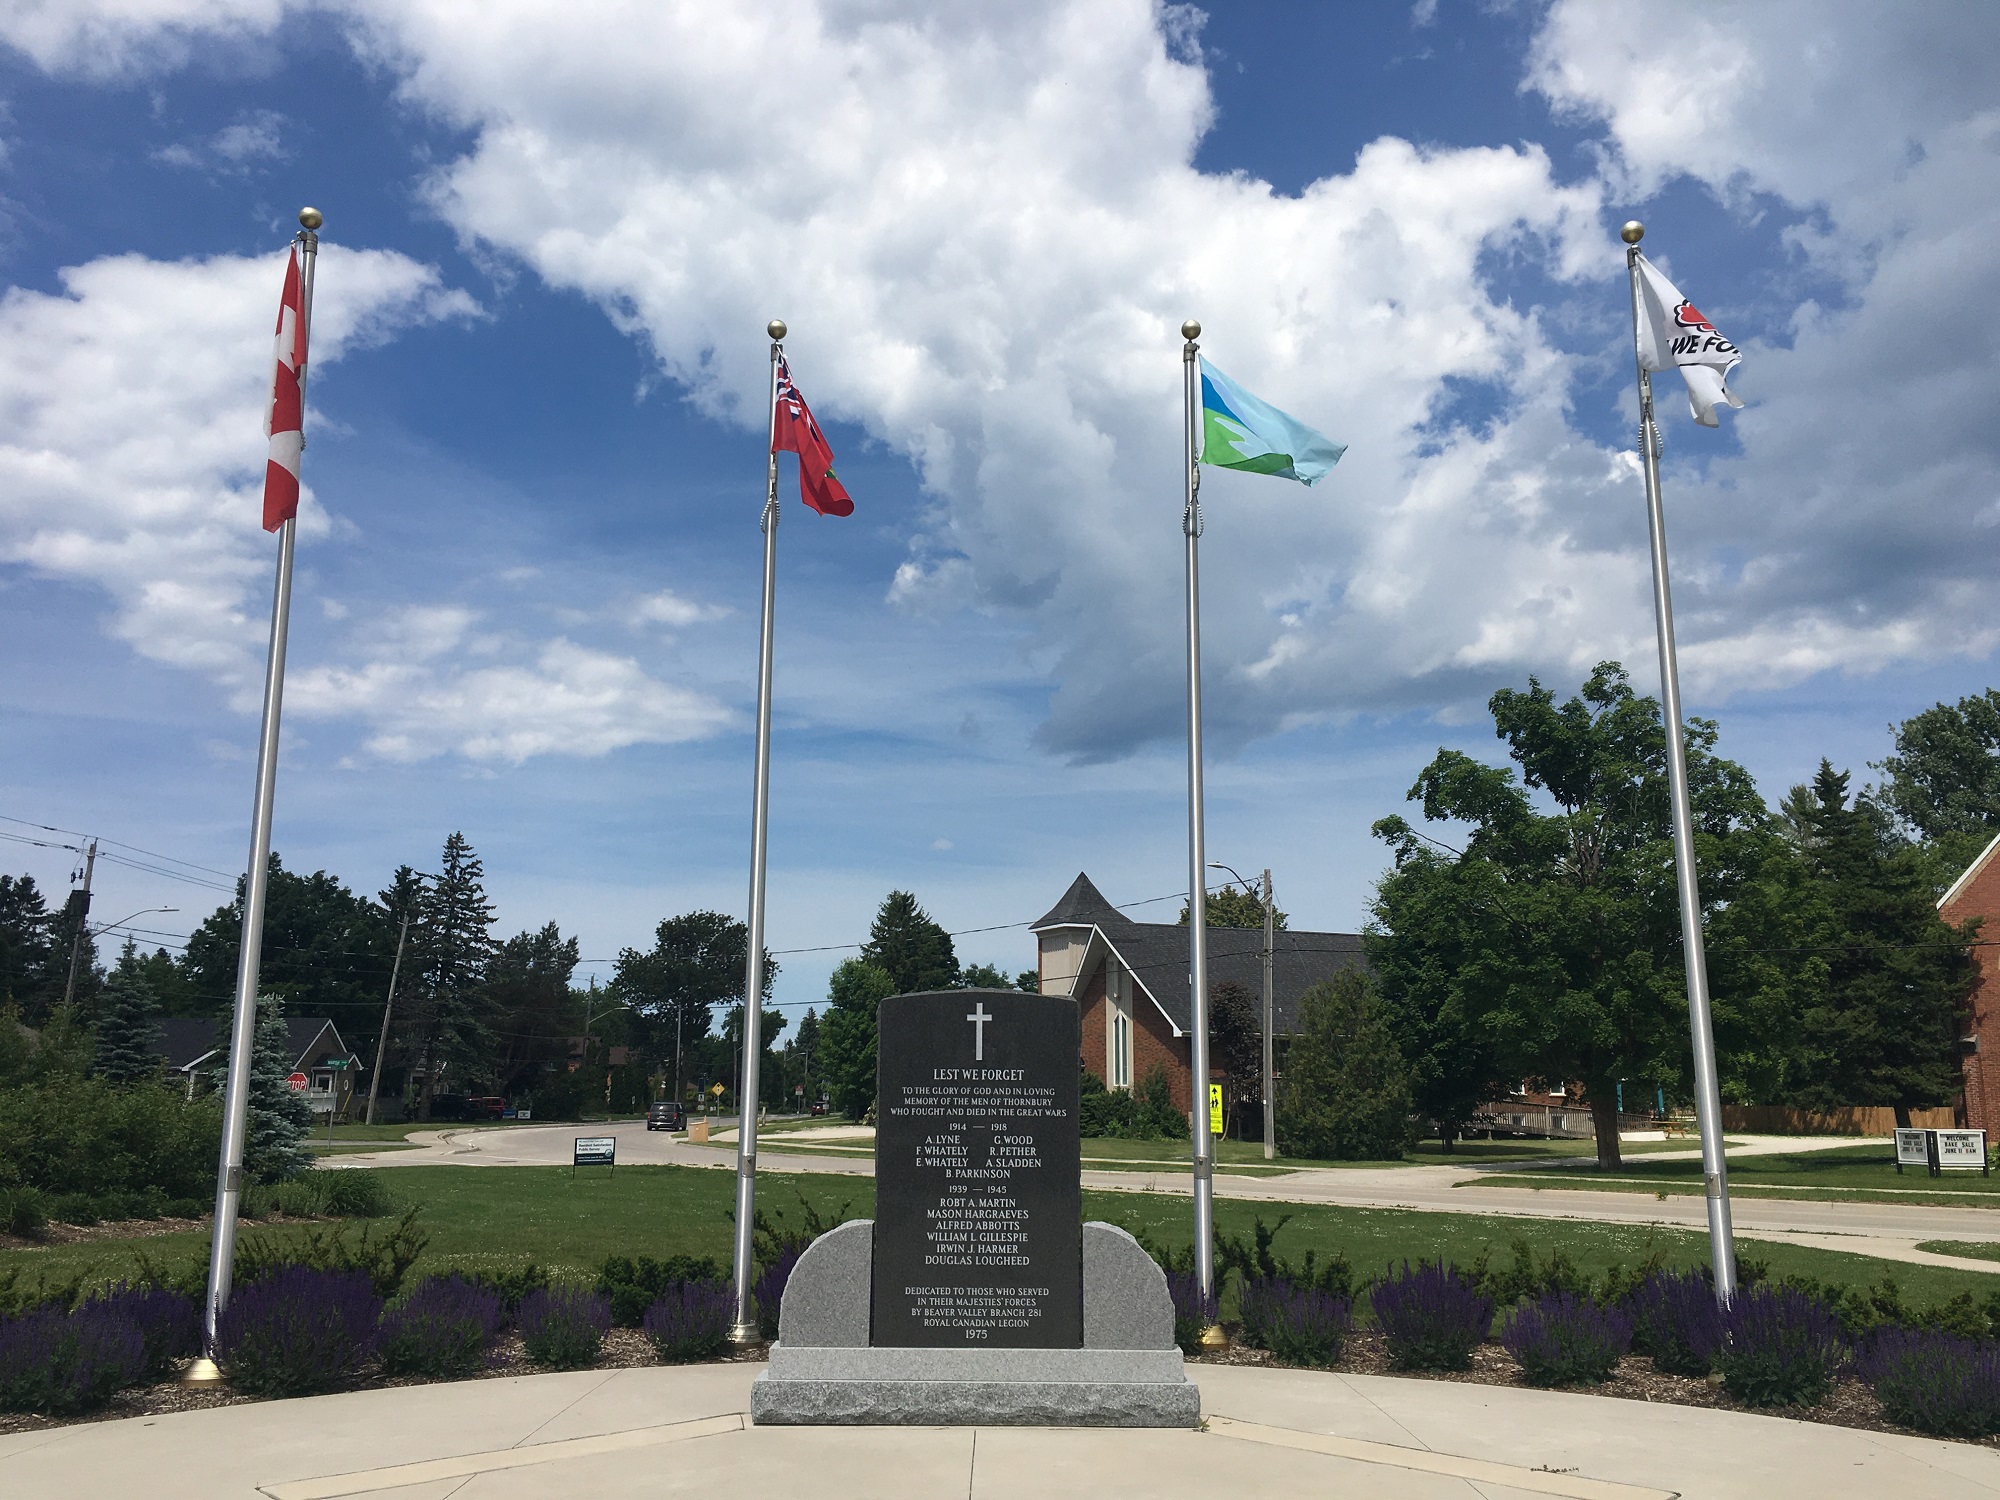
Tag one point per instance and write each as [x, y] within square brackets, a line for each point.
[776, 328]
[1190, 329]
[311, 218]
[1633, 232]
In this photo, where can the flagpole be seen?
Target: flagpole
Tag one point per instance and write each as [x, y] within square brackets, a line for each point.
[1707, 1096]
[1204, 1144]
[256, 883]
[745, 1329]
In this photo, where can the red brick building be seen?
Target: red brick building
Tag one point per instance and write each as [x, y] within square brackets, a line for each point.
[1131, 981]
[1976, 893]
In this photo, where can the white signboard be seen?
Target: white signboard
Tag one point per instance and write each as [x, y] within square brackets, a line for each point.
[1912, 1149]
[596, 1151]
[1962, 1149]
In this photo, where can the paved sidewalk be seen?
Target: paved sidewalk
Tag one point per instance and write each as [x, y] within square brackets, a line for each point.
[653, 1433]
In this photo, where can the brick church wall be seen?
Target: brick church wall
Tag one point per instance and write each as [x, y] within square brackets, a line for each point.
[1981, 1069]
[1154, 1044]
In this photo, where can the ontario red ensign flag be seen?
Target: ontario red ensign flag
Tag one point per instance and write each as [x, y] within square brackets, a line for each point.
[284, 420]
[796, 430]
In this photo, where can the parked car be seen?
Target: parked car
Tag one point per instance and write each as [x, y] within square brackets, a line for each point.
[666, 1115]
[487, 1107]
[819, 1106]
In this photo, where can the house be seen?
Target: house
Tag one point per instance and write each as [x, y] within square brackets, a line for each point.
[1976, 893]
[197, 1047]
[1130, 980]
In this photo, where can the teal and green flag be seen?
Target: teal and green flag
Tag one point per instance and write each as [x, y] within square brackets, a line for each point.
[1240, 432]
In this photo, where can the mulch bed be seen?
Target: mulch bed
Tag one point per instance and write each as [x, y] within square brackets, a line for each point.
[1849, 1404]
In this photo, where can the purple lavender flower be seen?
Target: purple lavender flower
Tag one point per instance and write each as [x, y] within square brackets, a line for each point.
[442, 1329]
[298, 1331]
[1432, 1316]
[1194, 1314]
[1301, 1325]
[1780, 1347]
[1564, 1339]
[562, 1327]
[770, 1289]
[1933, 1381]
[56, 1362]
[168, 1322]
[691, 1320]
[1677, 1321]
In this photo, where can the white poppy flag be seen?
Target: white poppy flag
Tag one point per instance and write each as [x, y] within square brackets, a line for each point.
[1673, 335]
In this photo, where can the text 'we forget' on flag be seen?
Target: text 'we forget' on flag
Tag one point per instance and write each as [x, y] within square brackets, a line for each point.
[284, 418]
[1673, 335]
[796, 430]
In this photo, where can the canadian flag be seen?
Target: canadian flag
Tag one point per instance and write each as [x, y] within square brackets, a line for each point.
[1674, 335]
[284, 420]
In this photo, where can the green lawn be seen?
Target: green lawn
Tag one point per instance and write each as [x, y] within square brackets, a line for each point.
[1842, 1172]
[504, 1216]
[1970, 1249]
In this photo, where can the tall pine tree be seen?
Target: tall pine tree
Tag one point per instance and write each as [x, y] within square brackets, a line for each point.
[909, 947]
[457, 924]
[1886, 977]
[848, 1033]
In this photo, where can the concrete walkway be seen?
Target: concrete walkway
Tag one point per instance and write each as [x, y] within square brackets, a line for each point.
[1891, 1231]
[662, 1432]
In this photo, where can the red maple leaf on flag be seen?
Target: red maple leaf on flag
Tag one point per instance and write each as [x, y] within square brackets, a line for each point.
[796, 430]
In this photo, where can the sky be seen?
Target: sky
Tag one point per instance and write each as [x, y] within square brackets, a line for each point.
[529, 562]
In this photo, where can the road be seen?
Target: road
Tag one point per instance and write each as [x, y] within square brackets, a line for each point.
[1889, 1230]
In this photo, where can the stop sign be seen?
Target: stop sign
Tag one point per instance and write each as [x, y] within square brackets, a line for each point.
[297, 1082]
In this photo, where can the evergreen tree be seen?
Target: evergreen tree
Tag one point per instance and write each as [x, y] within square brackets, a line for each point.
[451, 1012]
[1888, 977]
[1346, 1092]
[527, 986]
[34, 956]
[984, 977]
[275, 1131]
[910, 948]
[128, 1033]
[848, 1033]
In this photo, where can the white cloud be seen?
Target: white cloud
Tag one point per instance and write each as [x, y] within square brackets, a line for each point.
[132, 458]
[250, 140]
[109, 38]
[565, 699]
[670, 609]
[984, 226]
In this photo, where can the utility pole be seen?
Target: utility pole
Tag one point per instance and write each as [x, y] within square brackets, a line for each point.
[388, 1005]
[82, 918]
[1270, 1103]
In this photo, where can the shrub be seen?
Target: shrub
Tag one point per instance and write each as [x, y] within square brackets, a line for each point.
[441, 1330]
[16, 1296]
[1564, 1339]
[23, 1210]
[770, 1290]
[1254, 1259]
[1346, 1089]
[1193, 1314]
[87, 1137]
[1780, 1347]
[510, 1285]
[384, 1257]
[562, 1327]
[297, 1331]
[337, 1192]
[1933, 1381]
[1432, 1317]
[56, 1362]
[168, 1322]
[1301, 1325]
[630, 1286]
[1675, 1320]
[691, 1321]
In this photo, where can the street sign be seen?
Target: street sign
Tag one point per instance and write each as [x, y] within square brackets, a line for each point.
[715, 1089]
[298, 1082]
[798, 1088]
[595, 1151]
[1215, 1109]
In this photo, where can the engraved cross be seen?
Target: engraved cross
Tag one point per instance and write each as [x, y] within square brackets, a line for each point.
[979, 1018]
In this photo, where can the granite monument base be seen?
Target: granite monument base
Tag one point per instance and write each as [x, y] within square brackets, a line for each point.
[1127, 1374]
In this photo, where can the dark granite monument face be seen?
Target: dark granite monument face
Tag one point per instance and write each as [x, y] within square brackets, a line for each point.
[978, 1203]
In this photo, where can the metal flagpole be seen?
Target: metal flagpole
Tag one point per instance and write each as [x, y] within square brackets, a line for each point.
[243, 1029]
[745, 1329]
[1707, 1097]
[1270, 1103]
[1204, 1144]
